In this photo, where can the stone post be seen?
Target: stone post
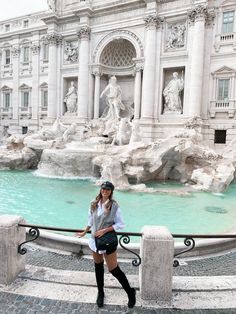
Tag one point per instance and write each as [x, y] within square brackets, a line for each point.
[11, 262]
[83, 77]
[198, 17]
[157, 252]
[53, 40]
[96, 95]
[148, 89]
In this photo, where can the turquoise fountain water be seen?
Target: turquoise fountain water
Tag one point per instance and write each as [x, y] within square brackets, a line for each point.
[64, 203]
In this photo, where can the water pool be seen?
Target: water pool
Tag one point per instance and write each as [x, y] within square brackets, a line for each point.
[64, 203]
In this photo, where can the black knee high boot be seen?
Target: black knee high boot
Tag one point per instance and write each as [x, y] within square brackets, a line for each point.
[99, 272]
[118, 273]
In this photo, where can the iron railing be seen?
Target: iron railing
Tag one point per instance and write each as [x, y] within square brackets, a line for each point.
[124, 239]
[34, 233]
[190, 242]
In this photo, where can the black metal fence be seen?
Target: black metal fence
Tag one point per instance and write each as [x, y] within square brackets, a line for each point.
[124, 238]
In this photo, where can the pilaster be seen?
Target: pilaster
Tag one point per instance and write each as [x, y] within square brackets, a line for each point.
[198, 18]
[15, 53]
[54, 40]
[152, 22]
[83, 76]
[35, 49]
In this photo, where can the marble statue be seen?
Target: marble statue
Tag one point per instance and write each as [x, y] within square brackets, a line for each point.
[135, 134]
[71, 99]
[71, 52]
[113, 100]
[52, 5]
[172, 95]
[122, 136]
[68, 132]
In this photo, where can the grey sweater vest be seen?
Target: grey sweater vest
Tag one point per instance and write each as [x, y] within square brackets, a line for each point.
[105, 220]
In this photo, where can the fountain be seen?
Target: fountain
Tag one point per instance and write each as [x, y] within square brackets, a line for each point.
[111, 148]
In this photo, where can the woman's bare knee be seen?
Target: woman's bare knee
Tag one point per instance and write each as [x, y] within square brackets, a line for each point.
[98, 258]
[111, 261]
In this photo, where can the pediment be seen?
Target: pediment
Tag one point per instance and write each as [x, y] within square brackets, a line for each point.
[24, 86]
[228, 3]
[5, 88]
[224, 69]
[44, 84]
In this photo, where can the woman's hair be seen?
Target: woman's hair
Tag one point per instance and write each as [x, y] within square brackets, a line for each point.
[108, 205]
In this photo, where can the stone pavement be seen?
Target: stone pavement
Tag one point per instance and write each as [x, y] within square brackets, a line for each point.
[56, 282]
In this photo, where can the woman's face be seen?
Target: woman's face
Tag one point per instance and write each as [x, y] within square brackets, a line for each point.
[105, 193]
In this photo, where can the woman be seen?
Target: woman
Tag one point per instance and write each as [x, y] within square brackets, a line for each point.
[105, 216]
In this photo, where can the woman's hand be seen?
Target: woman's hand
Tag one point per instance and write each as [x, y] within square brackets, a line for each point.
[100, 233]
[80, 234]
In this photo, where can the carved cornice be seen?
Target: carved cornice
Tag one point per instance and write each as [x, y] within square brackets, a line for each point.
[15, 51]
[153, 21]
[53, 39]
[201, 12]
[84, 32]
[35, 49]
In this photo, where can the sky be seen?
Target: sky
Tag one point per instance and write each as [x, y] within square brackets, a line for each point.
[14, 8]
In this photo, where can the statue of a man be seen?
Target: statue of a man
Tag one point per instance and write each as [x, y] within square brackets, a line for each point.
[113, 100]
[172, 94]
[71, 98]
[52, 5]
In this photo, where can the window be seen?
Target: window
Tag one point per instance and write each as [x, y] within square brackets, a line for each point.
[223, 89]
[228, 22]
[6, 100]
[44, 98]
[26, 54]
[45, 51]
[24, 129]
[220, 137]
[7, 27]
[7, 56]
[25, 99]
[26, 23]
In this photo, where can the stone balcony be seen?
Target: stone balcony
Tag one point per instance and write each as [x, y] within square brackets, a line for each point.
[43, 112]
[6, 113]
[25, 112]
[225, 40]
[225, 106]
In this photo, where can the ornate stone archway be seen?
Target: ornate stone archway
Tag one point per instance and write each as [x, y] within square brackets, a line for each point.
[116, 35]
[119, 53]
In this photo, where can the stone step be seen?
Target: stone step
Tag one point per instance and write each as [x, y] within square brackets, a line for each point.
[207, 292]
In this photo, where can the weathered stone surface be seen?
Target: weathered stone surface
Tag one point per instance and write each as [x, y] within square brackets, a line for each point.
[11, 263]
[18, 159]
[157, 250]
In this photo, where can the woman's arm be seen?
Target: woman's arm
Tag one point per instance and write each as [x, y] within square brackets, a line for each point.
[90, 223]
[82, 234]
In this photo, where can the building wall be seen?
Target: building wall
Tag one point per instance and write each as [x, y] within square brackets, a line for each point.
[168, 36]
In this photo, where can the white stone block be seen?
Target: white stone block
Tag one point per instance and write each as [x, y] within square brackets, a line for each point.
[11, 262]
[157, 251]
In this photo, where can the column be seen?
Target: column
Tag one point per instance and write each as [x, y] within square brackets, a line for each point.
[35, 48]
[83, 77]
[15, 54]
[53, 40]
[137, 91]
[198, 17]
[96, 94]
[148, 89]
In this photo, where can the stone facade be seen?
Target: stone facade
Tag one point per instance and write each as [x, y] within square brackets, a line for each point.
[143, 43]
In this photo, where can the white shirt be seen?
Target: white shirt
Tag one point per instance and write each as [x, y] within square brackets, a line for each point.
[118, 224]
